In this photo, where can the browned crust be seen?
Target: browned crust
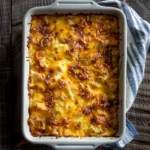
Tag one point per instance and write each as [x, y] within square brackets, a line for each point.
[77, 72]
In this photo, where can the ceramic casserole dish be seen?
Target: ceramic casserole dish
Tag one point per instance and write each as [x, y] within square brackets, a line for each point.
[75, 7]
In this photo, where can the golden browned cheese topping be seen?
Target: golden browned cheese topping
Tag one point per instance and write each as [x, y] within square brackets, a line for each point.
[73, 77]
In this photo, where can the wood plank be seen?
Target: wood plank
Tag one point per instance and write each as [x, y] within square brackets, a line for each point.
[142, 7]
[5, 35]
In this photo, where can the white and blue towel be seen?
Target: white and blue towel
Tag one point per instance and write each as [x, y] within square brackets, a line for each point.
[138, 45]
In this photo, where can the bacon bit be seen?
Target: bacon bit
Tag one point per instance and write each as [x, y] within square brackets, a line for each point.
[42, 20]
[104, 121]
[80, 76]
[77, 125]
[82, 44]
[28, 45]
[49, 104]
[56, 58]
[39, 68]
[67, 52]
[49, 97]
[79, 44]
[56, 34]
[51, 120]
[40, 29]
[29, 122]
[71, 69]
[44, 42]
[29, 39]
[84, 22]
[65, 121]
[99, 50]
[95, 58]
[61, 84]
[49, 90]
[89, 109]
[80, 32]
[94, 106]
[54, 21]
[100, 120]
[84, 93]
[86, 111]
[93, 120]
[43, 68]
[65, 41]
[79, 72]
[75, 26]
[51, 71]
[72, 50]
[105, 103]
[48, 31]
[47, 78]
[43, 30]
[108, 56]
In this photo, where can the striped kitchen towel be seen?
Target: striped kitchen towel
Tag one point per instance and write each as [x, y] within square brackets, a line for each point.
[138, 45]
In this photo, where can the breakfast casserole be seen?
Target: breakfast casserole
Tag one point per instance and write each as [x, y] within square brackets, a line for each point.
[73, 75]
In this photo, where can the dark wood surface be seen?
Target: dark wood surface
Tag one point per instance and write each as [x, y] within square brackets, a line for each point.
[11, 15]
[5, 45]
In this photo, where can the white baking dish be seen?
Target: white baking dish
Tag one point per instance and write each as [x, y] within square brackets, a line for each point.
[75, 7]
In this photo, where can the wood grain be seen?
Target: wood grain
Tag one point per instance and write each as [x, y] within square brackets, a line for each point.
[5, 35]
[139, 114]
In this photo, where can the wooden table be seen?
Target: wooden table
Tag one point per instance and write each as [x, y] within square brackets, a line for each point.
[11, 14]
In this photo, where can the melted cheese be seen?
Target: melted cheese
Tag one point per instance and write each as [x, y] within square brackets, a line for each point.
[73, 77]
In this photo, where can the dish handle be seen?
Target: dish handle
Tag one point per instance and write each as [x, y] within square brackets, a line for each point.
[75, 146]
[75, 4]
